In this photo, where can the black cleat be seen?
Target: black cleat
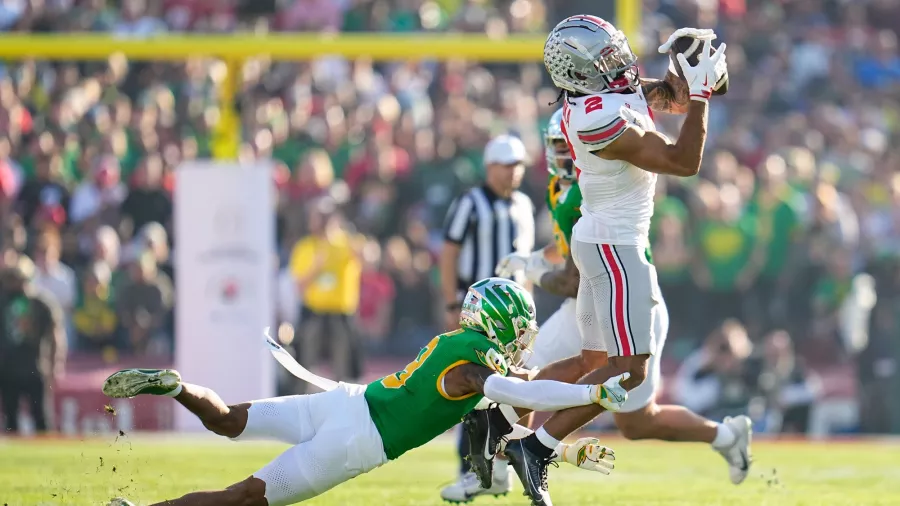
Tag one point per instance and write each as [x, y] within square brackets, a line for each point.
[532, 471]
[486, 429]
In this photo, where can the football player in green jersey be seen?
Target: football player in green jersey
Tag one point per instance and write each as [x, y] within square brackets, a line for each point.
[353, 429]
[640, 417]
[552, 269]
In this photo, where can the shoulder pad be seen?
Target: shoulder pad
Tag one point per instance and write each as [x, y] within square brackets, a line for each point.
[601, 121]
[604, 134]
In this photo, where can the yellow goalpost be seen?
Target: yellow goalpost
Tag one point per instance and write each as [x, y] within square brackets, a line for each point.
[236, 48]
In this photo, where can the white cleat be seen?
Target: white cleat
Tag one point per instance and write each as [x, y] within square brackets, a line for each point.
[118, 501]
[467, 487]
[738, 454]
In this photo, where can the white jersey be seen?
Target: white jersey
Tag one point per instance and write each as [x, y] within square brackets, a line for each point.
[617, 196]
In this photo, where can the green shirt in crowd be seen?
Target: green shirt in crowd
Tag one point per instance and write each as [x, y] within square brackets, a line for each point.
[726, 249]
[779, 223]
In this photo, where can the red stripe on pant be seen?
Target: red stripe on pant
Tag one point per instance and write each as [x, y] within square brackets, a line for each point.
[618, 301]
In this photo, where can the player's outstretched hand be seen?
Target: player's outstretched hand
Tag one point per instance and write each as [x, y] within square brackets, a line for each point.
[694, 33]
[611, 395]
[588, 453]
[510, 264]
[702, 77]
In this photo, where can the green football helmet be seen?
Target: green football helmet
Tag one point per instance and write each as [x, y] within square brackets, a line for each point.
[556, 149]
[503, 311]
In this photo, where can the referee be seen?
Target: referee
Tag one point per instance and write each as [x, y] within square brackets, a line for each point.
[483, 225]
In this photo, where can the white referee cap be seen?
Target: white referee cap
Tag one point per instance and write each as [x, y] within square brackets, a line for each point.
[505, 150]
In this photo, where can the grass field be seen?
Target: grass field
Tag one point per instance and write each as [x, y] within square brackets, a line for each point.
[147, 469]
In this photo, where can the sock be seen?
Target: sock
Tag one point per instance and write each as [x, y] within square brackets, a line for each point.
[538, 448]
[174, 393]
[548, 443]
[724, 437]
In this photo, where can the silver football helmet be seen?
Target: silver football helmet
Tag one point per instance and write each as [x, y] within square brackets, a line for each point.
[556, 149]
[586, 54]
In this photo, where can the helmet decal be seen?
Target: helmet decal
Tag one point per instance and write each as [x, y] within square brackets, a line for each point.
[504, 312]
[586, 54]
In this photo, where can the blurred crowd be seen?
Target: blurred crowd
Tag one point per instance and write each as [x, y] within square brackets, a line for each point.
[780, 262]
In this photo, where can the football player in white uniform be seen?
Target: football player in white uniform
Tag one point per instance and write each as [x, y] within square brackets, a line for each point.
[608, 125]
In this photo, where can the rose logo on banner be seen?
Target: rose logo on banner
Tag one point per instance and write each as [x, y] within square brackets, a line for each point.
[225, 232]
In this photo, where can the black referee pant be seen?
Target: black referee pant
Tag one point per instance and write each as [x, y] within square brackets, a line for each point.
[462, 449]
[15, 387]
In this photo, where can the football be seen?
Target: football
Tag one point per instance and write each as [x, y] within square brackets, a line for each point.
[691, 47]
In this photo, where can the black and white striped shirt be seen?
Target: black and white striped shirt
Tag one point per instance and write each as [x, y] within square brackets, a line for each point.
[487, 228]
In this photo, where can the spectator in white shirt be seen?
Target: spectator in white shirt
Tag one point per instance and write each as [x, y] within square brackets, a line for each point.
[106, 247]
[102, 190]
[51, 275]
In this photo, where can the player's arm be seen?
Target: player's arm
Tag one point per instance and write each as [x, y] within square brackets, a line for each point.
[552, 255]
[670, 94]
[653, 152]
[562, 282]
[538, 395]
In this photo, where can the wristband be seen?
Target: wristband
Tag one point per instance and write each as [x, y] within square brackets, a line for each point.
[702, 96]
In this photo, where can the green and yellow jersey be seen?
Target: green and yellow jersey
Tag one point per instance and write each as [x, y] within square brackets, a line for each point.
[410, 407]
[565, 209]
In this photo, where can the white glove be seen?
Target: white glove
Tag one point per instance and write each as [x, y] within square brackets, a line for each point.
[694, 33]
[702, 78]
[587, 453]
[510, 264]
[537, 266]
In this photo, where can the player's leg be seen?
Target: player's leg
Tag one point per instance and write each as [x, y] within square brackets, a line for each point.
[346, 444]
[561, 357]
[614, 309]
[286, 419]
[282, 481]
[642, 418]
[250, 492]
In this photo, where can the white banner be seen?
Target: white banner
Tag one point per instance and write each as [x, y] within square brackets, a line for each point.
[225, 267]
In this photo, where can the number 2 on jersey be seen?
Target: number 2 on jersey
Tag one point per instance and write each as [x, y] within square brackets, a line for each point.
[592, 104]
[398, 379]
